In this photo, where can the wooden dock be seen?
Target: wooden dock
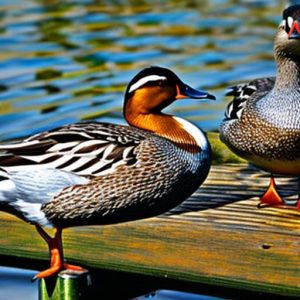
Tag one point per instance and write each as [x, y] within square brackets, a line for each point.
[217, 238]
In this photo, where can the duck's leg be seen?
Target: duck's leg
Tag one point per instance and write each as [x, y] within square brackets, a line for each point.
[298, 202]
[271, 196]
[56, 252]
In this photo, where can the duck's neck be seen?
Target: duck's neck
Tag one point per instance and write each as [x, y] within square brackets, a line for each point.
[280, 107]
[288, 73]
[180, 132]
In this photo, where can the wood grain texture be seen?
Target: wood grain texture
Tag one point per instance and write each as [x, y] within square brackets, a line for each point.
[218, 236]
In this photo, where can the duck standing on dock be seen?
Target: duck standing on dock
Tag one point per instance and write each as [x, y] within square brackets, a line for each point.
[98, 173]
[262, 123]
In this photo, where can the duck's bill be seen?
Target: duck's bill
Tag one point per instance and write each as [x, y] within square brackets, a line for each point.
[294, 33]
[188, 92]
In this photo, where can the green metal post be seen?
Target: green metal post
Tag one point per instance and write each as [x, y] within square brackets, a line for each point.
[68, 285]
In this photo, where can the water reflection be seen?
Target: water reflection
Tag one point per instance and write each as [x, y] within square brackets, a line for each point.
[97, 46]
[175, 295]
[15, 284]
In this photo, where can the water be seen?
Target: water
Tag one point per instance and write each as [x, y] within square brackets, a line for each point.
[175, 295]
[97, 46]
[65, 61]
[15, 284]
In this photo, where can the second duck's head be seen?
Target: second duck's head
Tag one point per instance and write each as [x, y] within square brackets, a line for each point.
[287, 41]
[154, 88]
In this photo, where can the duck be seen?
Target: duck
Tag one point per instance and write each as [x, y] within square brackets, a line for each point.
[262, 122]
[94, 173]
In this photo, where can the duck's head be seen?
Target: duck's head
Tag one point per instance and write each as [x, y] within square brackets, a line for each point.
[287, 41]
[148, 93]
[154, 88]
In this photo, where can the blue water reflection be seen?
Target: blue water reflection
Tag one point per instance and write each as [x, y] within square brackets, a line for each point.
[15, 284]
[175, 295]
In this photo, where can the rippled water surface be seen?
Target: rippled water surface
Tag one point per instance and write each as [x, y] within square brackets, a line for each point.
[65, 61]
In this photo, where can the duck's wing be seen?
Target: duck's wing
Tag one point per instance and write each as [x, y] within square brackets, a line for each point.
[85, 149]
[34, 170]
[242, 93]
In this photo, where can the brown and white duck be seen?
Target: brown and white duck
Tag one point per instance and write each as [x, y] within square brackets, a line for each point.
[262, 123]
[99, 173]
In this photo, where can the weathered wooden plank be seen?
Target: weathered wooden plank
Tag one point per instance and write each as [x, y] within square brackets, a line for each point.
[218, 236]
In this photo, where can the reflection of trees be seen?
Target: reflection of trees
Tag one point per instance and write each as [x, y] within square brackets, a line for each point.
[56, 20]
[51, 31]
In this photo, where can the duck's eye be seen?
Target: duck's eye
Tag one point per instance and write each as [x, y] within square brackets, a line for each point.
[282, 24]
[161, 83]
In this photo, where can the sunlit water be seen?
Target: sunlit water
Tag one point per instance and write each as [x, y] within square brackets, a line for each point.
[97, 46]
[65, 61]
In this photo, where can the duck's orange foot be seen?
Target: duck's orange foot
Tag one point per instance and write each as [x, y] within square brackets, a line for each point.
[271, 196]
[47, 273]
[73, 267]
[55, 270]
[57, 263]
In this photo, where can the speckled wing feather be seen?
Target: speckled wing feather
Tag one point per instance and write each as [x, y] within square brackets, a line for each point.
[34, 171]
[87, 149]
[241, 94]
